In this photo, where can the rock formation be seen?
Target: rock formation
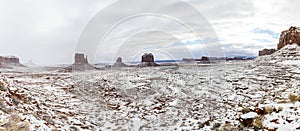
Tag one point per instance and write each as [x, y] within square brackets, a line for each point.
[8, 62]
[81, 63]
[205, 58]
[290, 36]
[119, 63]
[147, 60]
[266, 52]
[80, 59]
[289, 54]
[148, 57]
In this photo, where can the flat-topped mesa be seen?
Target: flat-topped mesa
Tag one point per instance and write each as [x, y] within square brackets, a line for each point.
[290, 36]
[147, 60]
[81, 63]
[266, 52]
[9, 61]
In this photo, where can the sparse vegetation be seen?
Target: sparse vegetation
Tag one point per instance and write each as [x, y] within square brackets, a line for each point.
[268, 109]
[293, 97]
[258, 123]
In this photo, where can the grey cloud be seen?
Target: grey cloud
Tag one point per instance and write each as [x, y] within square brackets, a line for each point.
[169, 16]
[44, 31]
[48, 31]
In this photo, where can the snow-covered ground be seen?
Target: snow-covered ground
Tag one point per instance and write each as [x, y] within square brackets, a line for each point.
[249, 95]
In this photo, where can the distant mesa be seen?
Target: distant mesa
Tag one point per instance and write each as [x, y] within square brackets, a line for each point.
[9, 62]
[206, 59]
[119, 63]
[290, 36]
[147, 60]
[266, 52]
[81, 63]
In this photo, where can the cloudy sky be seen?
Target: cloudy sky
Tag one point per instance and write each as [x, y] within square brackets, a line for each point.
[50, 31]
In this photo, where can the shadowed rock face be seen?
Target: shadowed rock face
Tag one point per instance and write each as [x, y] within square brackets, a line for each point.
[148, 60]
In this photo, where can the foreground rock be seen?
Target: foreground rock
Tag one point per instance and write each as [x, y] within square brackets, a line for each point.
[10, 102]
[147, 60]
[38, 102]
[81, 63]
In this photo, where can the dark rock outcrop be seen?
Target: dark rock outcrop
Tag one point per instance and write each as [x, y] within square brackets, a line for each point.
[205, 58]
[81, 63]
[148, 57]
[147, 60]
[290, 36]
[119, 63]
[266, 52]
[8, 62]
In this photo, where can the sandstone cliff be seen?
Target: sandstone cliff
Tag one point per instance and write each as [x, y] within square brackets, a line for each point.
[290, 36]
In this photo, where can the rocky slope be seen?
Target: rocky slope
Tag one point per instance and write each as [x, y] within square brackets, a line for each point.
[288, 55]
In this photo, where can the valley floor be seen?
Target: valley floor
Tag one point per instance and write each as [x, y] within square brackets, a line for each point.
[250, 95]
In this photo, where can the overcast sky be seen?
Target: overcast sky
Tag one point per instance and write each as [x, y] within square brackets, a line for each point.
[50, 31]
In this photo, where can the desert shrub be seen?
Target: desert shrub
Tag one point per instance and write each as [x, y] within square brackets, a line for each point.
[293, 97]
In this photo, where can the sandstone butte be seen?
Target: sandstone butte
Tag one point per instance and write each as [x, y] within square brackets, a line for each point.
[290, 36]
